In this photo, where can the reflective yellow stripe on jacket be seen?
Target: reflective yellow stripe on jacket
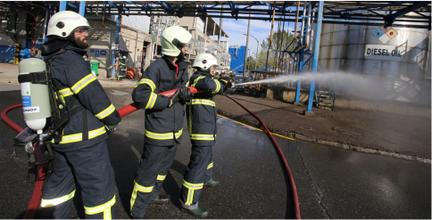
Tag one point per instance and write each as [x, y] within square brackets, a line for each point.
[152, 99]
[72, 138]
[103, 114]
[105, 208]
[45, 203]
[163, 136]
[203, 102]
[66, 92]
[83, 83]
[196, 80]
[204, 137]
[218, 87]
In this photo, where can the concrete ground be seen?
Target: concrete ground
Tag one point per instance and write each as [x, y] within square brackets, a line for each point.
[389, 134]
[331, 182]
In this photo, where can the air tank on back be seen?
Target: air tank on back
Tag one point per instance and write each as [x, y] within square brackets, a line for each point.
[398, 58]
[35, 96]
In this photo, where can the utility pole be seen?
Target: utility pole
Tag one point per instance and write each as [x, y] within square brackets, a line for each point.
[247, 45]
[271, 36]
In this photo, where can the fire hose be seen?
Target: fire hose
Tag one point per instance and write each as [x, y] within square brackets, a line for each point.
[126, 110]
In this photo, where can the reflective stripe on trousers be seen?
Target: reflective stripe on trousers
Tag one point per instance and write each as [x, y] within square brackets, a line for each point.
[139, 188]
[191, 189]
[104, 208]
[45, 203]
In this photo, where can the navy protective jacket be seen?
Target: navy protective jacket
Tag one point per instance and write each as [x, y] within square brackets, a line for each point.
[163, 124]
[201, 112]
[71, 75]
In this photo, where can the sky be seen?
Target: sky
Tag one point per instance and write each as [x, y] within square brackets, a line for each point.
[259, 29]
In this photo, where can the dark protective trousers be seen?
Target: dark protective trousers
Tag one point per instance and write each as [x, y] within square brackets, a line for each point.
[154, 165]
[198, 172]
[91, 169]
[121, 74]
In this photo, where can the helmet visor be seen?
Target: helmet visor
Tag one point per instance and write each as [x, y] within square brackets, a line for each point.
[176, 42]
[83, 29]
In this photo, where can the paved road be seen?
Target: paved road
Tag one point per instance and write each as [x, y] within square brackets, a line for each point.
[331, 182]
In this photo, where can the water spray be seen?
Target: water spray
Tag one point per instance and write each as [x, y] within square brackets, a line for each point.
[350, 83]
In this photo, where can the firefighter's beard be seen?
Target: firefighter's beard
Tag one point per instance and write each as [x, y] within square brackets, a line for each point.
[82, 43]
[79, 42]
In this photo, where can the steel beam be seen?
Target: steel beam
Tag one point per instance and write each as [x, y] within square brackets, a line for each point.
[316, 53]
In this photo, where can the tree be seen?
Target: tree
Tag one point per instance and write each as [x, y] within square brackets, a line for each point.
[277, 57]
[250, 63]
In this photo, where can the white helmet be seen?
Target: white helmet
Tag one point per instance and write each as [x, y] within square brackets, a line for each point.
[63, 23]
[204, 61]
[173, 39]
[124, 57]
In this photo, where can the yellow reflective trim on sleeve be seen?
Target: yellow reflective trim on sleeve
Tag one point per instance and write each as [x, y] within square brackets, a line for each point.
[203, 137]
[151, 102]
[45, 203]
[66, 92]
[210, 166]
[161, 177]
[163, 136]
[197, 79]
[203, 102]
[153, 97]
[72, 138]
[148, 82]
[103, 114]
[138, 188]
[105, 208]
[218, 87]
[83, 83]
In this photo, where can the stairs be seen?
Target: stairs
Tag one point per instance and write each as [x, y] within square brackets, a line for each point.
[325, 99]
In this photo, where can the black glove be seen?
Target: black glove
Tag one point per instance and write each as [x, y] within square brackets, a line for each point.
[182, 95]
[111, 128]
[226, 81]
[186, 95]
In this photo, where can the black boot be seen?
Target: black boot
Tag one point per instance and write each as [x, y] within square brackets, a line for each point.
[161, 200]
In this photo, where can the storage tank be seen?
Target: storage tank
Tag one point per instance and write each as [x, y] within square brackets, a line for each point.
[398, 58]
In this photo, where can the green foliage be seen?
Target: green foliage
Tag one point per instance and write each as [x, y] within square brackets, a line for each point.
[281, 41]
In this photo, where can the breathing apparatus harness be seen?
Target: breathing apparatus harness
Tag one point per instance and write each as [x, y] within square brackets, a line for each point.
[61, 114]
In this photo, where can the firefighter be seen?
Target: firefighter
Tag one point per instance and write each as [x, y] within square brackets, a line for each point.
[163, 118]
[80, 153]
[122, 69]
[201, 115]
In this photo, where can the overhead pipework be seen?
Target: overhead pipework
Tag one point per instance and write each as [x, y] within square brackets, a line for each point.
[379, 13]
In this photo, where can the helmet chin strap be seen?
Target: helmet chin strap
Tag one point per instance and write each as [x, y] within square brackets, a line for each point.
[181, 56]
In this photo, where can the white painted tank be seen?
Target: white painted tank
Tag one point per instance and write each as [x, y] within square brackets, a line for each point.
[398, 57]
